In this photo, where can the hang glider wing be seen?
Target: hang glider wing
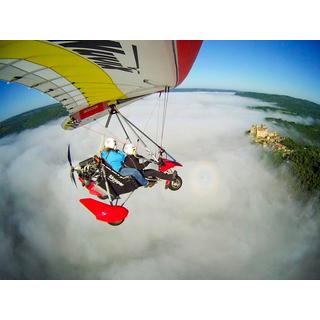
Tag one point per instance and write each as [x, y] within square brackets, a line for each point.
[86, 76]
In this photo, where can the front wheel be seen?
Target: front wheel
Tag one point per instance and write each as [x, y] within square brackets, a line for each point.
[176, 184]
[116, 223]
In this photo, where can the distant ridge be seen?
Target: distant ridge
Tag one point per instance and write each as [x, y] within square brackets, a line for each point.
[201, 90]
[31, 119]
[37, 117]
[301, 107]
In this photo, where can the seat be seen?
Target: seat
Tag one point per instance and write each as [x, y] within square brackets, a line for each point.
[118, 183]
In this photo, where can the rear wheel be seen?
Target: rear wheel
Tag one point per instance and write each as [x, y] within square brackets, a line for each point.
[113, 197]
[176, 184]
[116, 223]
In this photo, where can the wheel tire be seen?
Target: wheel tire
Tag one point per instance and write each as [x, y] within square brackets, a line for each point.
[106, 197]
[175, 184]
[116, 223]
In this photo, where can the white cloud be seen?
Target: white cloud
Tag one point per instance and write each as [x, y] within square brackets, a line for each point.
[234, 217]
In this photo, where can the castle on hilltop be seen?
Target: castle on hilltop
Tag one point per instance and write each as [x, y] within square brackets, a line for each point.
[260, 134]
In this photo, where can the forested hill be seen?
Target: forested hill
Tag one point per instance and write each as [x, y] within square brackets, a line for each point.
[302, 140]
[295, 106]
[31, 119]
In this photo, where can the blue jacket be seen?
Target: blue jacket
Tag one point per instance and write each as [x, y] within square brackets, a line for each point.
[114, 158]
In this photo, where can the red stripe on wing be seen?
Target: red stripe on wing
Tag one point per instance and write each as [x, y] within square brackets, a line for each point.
[187, 51]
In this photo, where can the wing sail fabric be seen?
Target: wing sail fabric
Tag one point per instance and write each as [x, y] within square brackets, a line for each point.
[82, 74]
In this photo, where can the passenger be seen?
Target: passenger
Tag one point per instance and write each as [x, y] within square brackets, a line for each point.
[132, 161]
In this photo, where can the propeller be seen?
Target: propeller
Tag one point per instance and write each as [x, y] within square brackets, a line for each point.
[72, 168]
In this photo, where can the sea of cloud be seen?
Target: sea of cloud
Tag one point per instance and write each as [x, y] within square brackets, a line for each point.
[234, 217]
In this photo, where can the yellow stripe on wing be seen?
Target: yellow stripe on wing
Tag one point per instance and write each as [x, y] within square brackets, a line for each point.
[95, 85]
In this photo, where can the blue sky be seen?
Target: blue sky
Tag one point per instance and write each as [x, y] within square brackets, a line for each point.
[281, 67]
[15, 98]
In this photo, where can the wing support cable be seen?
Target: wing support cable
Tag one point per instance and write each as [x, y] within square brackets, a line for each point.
[113, 111]
[127, 198]
[124, 129]
[107, 186]
[134, 128]
[164, 115]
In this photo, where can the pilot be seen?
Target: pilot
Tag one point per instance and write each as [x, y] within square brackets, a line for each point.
[111, 155]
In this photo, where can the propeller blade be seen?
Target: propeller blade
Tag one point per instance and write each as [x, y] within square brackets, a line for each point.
[69, 156]
[72, 169]
[73, 178]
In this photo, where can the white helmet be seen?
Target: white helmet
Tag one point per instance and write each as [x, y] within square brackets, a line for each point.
[129, 149]
[110, 143]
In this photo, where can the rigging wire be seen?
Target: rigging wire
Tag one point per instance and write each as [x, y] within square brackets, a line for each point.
[134, 129]
[127, 198]
[109, 133]
[164, 114]
[92, 130]
[146, 123]
[158, 122]
[149, 118]
[124, 129]
[130, 125]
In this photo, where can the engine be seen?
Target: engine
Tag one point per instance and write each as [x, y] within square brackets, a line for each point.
[89, 170]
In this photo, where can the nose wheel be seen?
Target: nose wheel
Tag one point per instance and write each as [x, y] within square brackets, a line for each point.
[116, 223]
